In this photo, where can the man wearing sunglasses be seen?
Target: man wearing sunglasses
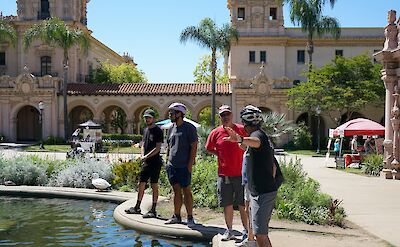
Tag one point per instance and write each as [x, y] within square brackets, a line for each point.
[182, 147]
[230, 157]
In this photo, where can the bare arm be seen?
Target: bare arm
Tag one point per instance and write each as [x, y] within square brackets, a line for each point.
[153, 152]
[193, 151]
[250, 141]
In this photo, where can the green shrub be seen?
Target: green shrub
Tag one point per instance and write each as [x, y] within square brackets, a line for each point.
[132, 137]
[54, 140]
[24, 171]
[302, 138]
[373, 164]
[299, 198]
[127, 173]
[3, 138]
[204, 182]
[125, 188]
[77, 173]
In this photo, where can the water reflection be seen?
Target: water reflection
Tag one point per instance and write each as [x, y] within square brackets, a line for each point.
[62, 222]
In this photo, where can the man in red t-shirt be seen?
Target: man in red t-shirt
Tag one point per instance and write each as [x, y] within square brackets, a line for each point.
[230, 157]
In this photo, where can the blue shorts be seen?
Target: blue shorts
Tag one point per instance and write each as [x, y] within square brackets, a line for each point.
[180, 176]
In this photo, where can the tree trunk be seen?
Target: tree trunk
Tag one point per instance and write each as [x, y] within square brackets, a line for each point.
[213, 86]
[65, 96]
[310, 51]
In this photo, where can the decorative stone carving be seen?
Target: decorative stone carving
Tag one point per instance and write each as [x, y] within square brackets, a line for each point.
[391, 32]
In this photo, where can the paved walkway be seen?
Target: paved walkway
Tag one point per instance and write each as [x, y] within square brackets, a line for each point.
[373, 203]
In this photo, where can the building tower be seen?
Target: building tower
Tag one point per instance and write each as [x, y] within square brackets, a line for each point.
[67, 10]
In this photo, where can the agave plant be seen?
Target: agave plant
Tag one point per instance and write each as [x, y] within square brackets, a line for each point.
[203, 132]
[275, 125]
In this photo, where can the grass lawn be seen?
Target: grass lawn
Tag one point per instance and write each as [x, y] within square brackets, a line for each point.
[48, 148]
[307, 152]
[125, 150]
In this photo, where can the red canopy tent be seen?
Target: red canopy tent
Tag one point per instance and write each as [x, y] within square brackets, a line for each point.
[359, 126]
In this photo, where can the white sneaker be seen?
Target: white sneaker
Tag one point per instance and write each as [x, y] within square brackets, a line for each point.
[247, 243]
[228, 235]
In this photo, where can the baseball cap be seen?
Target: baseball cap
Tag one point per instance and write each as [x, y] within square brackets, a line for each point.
[224, 108]
[149, 113]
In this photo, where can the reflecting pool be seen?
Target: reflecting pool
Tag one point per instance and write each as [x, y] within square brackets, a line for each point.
[65, 222]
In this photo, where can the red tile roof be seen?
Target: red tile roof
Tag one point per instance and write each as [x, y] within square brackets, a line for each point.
[147, 89]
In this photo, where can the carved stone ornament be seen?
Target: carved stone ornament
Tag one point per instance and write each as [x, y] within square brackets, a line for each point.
[391, 32]
[26, 83]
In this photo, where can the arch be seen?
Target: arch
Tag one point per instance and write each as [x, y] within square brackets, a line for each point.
[114, 120]
[202, 105]
[80, 102]
[107, 103]
[313, 127]
[32, 131]
[78, 115]
[137, 122]
[353, 116]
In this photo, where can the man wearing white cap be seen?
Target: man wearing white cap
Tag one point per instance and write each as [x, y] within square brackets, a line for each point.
[230, 157]
[182, 147]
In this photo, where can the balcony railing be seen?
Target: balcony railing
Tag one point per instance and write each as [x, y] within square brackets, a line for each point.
[39, 74]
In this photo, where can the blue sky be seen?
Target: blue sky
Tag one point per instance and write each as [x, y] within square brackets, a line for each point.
[149, 30]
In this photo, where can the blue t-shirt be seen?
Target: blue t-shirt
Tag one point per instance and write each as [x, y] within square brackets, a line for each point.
[336, 147]
[179, 141]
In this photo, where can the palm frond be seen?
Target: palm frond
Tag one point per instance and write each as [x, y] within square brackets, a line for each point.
[7, 33]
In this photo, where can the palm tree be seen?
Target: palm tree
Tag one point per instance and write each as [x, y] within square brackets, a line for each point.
[55, 32]
[7, 33]
[275, 125]
[208, 35]
[308, 14]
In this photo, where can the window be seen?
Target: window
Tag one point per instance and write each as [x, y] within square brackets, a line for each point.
[2, 58]
[263, 56]
[45, 65]
[339, 53]
[44, 10]
[252, 56]
[301, 58]
[241, 14]
[272, 14]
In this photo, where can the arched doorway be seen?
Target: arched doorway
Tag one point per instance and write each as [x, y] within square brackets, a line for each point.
[113, 120]
[28, 126]
[313, 127]
[78, 115]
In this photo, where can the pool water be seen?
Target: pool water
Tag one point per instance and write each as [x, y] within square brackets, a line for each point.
[65, 222]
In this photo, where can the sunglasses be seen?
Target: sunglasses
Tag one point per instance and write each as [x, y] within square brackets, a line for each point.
[225, 114]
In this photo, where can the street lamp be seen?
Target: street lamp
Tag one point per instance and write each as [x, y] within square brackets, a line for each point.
[318, 111]
[41, 108]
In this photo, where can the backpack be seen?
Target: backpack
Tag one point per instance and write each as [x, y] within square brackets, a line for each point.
[279, 179]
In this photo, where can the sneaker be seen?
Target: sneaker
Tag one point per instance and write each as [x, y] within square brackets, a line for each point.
[244, 234]
[247, 243]
[133, 210]
[150, 214]
[174, 220]
[228, 235]
[191, 223]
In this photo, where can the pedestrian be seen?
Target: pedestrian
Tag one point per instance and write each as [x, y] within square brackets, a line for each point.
[261, 171]
[336, 148]
[229, 183]
[181, 152]
[151, 163]
[369, 146]
[354, 145]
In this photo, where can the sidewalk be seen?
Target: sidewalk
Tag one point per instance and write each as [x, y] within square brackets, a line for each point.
[373, 203]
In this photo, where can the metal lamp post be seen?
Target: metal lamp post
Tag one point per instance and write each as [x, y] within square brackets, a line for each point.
[41, 108]
[318, 112]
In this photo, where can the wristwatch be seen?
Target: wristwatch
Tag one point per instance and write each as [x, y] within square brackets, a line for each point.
[240, 140]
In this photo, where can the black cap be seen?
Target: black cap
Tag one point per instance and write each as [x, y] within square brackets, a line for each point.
[149, 113]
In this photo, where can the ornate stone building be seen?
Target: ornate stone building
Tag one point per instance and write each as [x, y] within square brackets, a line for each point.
[266, 61]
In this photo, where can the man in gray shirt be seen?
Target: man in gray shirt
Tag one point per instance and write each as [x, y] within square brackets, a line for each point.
[182, 147]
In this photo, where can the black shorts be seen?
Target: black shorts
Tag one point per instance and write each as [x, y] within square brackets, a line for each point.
[151, 171]
[180, 176]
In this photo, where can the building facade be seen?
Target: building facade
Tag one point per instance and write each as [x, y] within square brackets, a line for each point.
[267, 60]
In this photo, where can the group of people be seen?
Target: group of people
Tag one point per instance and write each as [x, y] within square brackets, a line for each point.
[246, 169]
[368, 147]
